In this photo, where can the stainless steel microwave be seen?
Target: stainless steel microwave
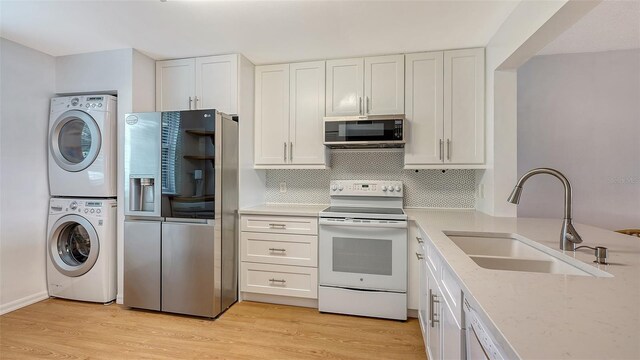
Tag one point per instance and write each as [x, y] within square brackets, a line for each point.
[377, 131]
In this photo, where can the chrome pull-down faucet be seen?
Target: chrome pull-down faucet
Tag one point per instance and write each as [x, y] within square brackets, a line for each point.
[569, 236]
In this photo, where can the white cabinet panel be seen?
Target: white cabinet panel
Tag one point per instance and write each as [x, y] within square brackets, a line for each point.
[434, 302]
[424, 108]
[272, 114]
[344, 87]
[451, 334]
[423, 301]
[280, 224]
[413, 267]
[297, 250]
[307, 106]
[279, 280]
[217, 83]
[175, 84]
[384, 85]
[464, 106]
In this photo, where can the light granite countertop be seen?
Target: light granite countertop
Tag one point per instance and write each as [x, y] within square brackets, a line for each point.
[548, 316]
[283, 210]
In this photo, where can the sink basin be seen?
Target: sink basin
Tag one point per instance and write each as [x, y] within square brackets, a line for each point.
[512, 252]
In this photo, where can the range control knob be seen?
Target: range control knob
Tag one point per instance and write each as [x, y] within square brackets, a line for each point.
[73, 205]
[391, 189]
[334, 187]
[340, 187]
[384, 187]
[398, 188]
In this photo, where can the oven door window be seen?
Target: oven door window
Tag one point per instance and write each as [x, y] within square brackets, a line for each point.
[363, 256]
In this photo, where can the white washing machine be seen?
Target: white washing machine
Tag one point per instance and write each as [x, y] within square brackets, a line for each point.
[81, 249]
[82, 146]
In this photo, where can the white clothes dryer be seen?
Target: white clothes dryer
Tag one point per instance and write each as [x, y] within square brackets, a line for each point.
[81, 249]
[82, 146]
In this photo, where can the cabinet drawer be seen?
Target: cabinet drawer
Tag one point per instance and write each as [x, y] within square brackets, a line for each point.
[280, 224]
[279, 280]
[297, 250]
[451, 292]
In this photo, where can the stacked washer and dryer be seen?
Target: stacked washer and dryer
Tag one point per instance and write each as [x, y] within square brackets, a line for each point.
[81, 245]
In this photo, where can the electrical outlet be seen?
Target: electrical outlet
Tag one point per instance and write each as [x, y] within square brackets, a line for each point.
[283, 187]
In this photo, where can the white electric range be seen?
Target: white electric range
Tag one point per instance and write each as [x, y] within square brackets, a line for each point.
[363, 250]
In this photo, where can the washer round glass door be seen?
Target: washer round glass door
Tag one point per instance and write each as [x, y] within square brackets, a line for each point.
[73, 245]
[75, 140]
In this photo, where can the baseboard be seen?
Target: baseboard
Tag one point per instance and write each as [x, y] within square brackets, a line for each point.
[412, 313]
[25, 301]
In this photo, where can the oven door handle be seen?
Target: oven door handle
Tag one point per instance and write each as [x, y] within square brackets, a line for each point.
[374, 224]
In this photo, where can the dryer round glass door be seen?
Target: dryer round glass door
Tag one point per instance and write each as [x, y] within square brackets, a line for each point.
[75, 140]
[73, 245]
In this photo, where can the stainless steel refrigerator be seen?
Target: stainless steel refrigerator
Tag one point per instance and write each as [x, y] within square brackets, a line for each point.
[181, 202]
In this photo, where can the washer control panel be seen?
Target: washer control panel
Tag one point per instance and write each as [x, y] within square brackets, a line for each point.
[381, 188]
[81, 102]
[81, 207]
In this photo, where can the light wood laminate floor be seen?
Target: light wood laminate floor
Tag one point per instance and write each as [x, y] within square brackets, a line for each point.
[57, 328]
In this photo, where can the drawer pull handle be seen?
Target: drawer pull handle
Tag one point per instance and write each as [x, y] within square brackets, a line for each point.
[277, 250]
[434, 300]
[419, 239]
[419, 256]
[278, 226]
[279, 281]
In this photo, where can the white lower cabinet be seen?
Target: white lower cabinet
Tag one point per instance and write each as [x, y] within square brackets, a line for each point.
[279, 256]
[434, 330]
[451, 347]
[279, 280]
[439, 301]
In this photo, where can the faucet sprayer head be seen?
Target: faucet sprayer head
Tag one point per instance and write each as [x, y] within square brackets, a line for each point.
[514, 198]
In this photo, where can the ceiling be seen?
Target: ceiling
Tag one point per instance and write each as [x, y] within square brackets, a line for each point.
[612, 25]
[264, 31]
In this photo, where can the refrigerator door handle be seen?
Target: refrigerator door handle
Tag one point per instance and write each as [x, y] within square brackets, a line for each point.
[189, 221]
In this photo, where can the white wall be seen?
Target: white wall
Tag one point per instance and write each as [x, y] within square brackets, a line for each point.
[580, 114]
[28, 81]
[126, 72]
[530, 26]
[252, 181]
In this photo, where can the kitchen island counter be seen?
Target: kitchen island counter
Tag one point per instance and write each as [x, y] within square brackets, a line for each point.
[547, 316]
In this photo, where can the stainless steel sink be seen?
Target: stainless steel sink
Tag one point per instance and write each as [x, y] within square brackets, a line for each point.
[512, 252]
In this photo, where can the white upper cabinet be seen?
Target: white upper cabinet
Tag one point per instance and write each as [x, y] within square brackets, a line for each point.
[423, 110]
[290, 105]
[445, 109]
[175, 84]
[464, 106]
[217, 83]
[384, 85]
[198, 83]
[365, 86]
[344, 87]
[272, 115]
[307, 106]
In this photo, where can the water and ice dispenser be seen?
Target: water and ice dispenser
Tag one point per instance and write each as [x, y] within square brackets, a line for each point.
[142, 194]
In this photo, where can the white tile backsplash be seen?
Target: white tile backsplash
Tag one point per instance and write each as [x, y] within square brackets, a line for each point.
[423, 188]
